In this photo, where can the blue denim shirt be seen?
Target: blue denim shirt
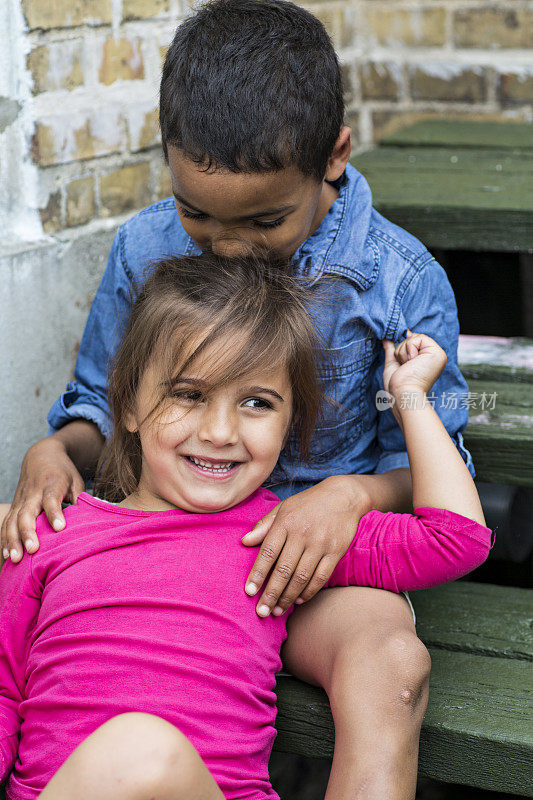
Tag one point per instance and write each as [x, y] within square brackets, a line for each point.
[384, 282]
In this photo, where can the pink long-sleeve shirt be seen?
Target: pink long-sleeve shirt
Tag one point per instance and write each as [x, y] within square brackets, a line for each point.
[146, 611]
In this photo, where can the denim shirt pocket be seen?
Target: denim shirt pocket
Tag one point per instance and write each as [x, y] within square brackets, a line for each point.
[345, 382]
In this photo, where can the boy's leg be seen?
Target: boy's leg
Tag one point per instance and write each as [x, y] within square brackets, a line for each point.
[134, 756]
[360, 644]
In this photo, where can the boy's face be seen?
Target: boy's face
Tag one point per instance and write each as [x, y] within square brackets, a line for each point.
[226, 212]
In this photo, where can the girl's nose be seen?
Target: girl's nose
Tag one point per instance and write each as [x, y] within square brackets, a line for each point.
[218, 426]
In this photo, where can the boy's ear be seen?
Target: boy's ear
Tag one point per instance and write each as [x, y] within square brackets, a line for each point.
[340, 155]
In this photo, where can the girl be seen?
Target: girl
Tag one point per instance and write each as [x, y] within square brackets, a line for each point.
[132, 663]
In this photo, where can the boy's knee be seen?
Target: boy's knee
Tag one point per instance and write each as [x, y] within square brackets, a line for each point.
[398, 657]
[408, 666]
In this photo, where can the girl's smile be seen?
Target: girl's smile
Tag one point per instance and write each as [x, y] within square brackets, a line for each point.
[208, 448]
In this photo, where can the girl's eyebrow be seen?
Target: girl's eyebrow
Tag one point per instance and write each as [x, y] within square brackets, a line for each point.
[248, 390]
[265, 390]
[271, 212]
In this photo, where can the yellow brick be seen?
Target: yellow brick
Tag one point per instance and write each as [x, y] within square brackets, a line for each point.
[143, 9]
[80, 201]
[380, 80]
[162, 55]
[493, 27]
[442, 82]
[412, 27]
[147, 133]
[66, 138]
[56, 66]
[125, 189]
[331, 19]
[516, 89]
[51, 214]
[163, 182]
[66, 13]
[121, 60]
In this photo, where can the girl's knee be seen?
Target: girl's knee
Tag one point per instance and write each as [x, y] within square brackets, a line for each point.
[147, 749]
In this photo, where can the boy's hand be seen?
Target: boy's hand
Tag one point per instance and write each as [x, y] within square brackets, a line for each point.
[47, 477]
[304, 538]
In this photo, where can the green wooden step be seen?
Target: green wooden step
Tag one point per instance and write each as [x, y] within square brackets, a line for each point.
[477, 618]
[455, 197]
[478, 729]
[463, 133]
[499, 373]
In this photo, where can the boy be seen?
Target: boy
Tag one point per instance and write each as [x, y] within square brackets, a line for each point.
[251, 115]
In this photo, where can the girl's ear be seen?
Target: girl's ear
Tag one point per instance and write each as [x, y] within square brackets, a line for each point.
[130, 422]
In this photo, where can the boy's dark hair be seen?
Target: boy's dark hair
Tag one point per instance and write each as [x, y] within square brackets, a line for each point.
[252, 86]
[189, 304]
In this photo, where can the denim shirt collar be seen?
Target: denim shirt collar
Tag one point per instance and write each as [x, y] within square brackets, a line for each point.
[340, 245]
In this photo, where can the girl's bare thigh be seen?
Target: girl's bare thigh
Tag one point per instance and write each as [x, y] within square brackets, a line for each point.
[134, 756]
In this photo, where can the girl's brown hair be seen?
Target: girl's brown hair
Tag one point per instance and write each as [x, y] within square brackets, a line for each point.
[188, 304]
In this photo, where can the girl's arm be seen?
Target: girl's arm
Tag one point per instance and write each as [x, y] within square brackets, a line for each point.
[446, 537]
[20, 601]
[439, 475]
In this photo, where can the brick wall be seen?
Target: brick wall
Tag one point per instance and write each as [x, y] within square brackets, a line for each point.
[94, 68]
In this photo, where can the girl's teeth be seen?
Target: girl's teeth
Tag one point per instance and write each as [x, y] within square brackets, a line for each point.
[211, 467]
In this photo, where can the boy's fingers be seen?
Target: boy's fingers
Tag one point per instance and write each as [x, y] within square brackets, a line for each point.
[285, 568]
[260, 529]
[321, 574]
[52, 509]
[26, 528]
[78, 486]
[309, 576]
[268, 553]
[12, 544]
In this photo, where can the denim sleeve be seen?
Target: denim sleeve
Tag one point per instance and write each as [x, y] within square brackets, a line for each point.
[86, 396]
[427, 305]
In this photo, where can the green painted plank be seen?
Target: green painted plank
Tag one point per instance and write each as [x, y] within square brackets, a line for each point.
[477, 618]
[459, 133]
[449, 178]
[500, 439]
[478, 728]
[494, 358]
[454, 198]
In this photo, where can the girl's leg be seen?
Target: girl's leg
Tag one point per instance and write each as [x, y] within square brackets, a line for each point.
[360, 644]
[134, 756]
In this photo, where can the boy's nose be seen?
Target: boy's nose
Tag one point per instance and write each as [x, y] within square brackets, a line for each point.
[230, 246]
[218, 426]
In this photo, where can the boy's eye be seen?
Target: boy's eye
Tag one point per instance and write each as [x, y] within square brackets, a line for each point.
[274, 224]
[191, 214]
[257, 402]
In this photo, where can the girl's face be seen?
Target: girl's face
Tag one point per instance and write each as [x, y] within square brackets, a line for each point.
[206, 451]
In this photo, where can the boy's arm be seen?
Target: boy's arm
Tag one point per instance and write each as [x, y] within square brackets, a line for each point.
[427, 305]
[79, 420]
[19, 606]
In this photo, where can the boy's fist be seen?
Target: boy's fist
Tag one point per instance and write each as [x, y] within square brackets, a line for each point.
[413, 365]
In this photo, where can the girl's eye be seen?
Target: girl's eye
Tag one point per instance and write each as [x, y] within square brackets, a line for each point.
[186, 396]
[257, 402]
[191, 214]
[273, 224]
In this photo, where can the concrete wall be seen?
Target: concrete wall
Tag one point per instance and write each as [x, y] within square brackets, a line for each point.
[80, 150]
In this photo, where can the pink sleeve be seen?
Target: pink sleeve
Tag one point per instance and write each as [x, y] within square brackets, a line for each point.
[19, 606]
[412, 551]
